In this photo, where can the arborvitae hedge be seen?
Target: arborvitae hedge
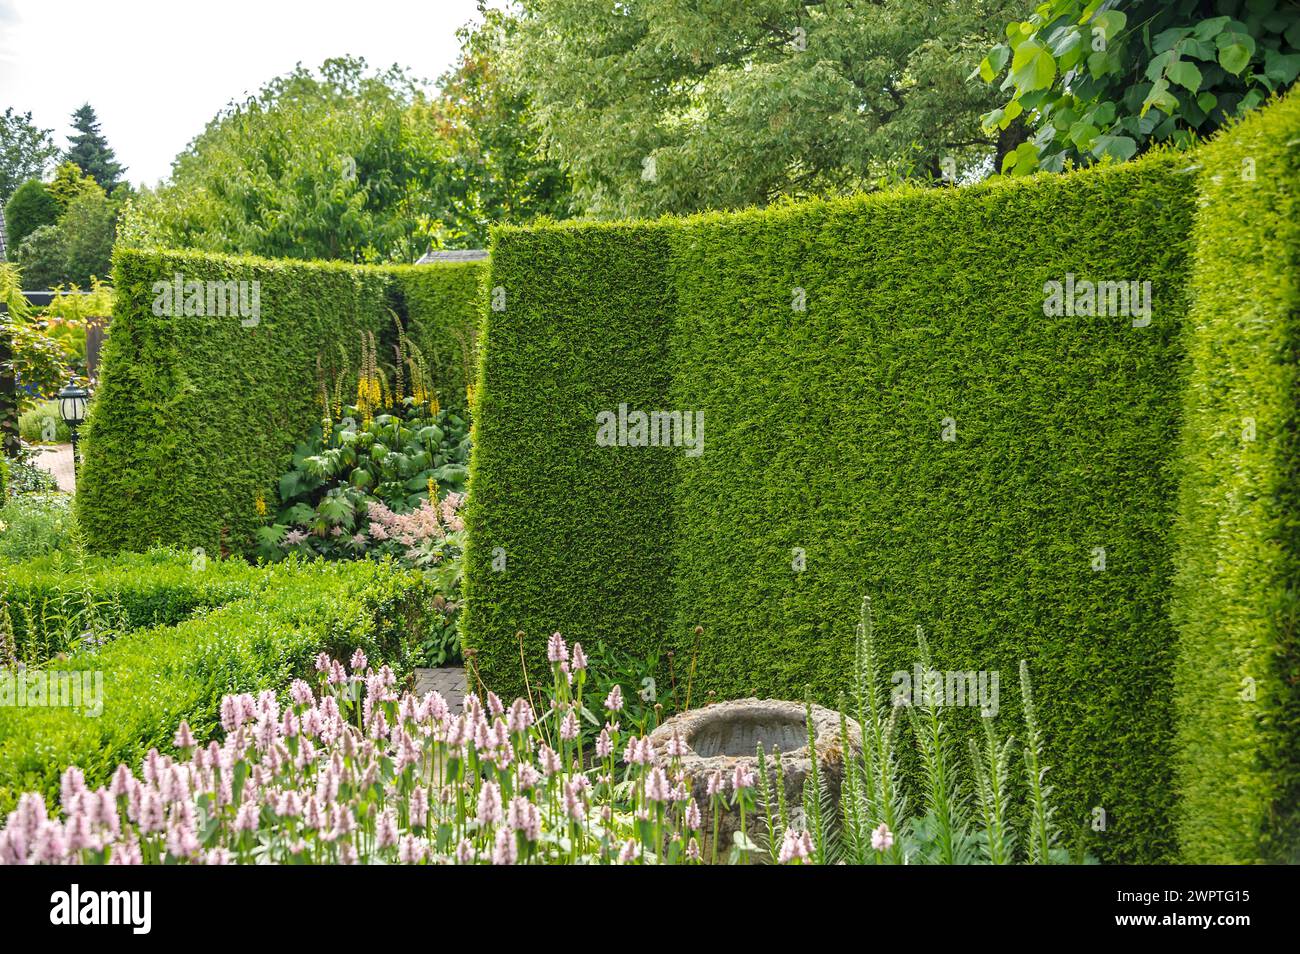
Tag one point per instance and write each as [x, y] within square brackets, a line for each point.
[566, 535]
[1238, 607]
[823, 431]
[195, 415]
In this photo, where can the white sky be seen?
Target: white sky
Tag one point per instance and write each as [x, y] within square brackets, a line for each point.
[157, 70]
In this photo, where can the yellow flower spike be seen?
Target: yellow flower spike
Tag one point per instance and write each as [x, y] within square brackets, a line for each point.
[434, 406]
[433, 490]
[260, 503]
[469, 394]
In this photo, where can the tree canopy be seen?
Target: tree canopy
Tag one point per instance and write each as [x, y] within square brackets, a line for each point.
[91, 152]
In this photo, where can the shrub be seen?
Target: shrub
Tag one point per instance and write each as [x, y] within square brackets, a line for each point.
[30, 207]
[1237, 606]
[196, 416]
[34, 524]
[829, 347]
[155, 677]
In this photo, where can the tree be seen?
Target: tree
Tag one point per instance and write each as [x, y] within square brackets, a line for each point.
[345, 165]
[90, 227]
[498, 172]
[25, 151]
[90, 150]
[44, 257]
[1096, 79]
[672, 105]
[69, 182]
[31, 206]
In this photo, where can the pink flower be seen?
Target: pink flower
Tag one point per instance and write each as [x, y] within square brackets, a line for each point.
[716, 784]
[579, 658]
[506, 851]
[358, 661]
[556, 652]
[489, 804]
[742, 778]
[630, 852]
[569, 728]
[464, 852]
[796, 846]
[693, 819]
[656, 786]
[614, 701]
[604, 744]
[675, 747]
[882, 839]
[184, 738]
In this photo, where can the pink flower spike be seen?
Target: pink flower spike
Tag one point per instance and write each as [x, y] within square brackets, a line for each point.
[579, 658]
[614, 701]
[184, 739]
[556, 651]
[882, 839]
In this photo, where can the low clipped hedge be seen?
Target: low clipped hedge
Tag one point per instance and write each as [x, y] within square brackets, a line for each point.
[1238, 606]
[194, 416]
[157, 676]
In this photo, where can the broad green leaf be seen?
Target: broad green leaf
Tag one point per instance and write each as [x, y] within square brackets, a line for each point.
[1033, 66]
[1120, 147]
[1185, 74]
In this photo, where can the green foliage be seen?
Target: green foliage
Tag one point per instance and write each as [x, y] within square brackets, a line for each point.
[345, 165]
[824, 432]
[154, 677]
[31, 206]
[90, 227]
[1237, 606]
[41, 424]
[25, 477]
[656, 106]
[25, 151]
[195, 417]
[39, 361]
[44, 254]
[1109, 79]
[91, 152]
[34, 524]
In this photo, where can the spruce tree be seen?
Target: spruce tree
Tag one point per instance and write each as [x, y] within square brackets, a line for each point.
[90, 150]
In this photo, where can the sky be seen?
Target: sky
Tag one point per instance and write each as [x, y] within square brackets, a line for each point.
[156, 71]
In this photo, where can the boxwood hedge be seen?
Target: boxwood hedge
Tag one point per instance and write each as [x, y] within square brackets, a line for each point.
[154, 677]
[194, 415]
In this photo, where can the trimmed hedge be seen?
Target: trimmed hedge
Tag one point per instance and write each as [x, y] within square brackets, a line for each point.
[823, 432]
[155, 677]
[195, 415]
[1238, 673]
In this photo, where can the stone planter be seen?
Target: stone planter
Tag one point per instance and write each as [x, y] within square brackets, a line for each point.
[725, 734]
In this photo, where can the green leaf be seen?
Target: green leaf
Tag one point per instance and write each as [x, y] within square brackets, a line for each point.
[1186, 74]
[1110, 22]
[1032, 67]
[1282, 67]
[1118, 147]
[1235, 51]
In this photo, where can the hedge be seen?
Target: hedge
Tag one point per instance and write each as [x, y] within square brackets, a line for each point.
[194, 416]
[822, 431]
[155, 677]
[1238, 673]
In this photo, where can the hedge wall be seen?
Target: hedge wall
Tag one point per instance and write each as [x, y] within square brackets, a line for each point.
[823, 432]
[1238, 673]
[566, 535]
[154, 677]
[195, 415]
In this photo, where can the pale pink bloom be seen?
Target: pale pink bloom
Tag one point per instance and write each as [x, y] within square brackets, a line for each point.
[521, 716]
[693, 819]
[184, 738]
[506, 851]
[614, 701]
[489, 804]
[693, 850]
[386, 828]
[579, 658]
[246, 817]
[411, 851]
[549, 759]
[464, 852]
[675, 747]
[526, 776]
[604, 744]
[716, 784]
[525, 817]
[796, 846]
[630, 852]
[742, 778]
[569, 728]
[656, 786]
[556, 651]
[882, 839]
[358, 661]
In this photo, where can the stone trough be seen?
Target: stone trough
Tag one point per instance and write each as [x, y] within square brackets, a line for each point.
[722, 735]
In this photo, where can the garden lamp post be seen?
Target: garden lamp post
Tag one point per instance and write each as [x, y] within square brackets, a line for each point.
[72, 408]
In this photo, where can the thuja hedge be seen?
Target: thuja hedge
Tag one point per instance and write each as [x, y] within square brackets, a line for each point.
[831, 347]
[154, 677]
[195, 415]
[1238, 673]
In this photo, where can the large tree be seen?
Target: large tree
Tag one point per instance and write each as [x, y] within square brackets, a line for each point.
[91, 152]
[497, 170]
[673, 105]
[25, 151]
[347, 164]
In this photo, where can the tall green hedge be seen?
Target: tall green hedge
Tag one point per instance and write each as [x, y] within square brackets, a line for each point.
[823, 432]
[195, 415]
[1238, 673]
